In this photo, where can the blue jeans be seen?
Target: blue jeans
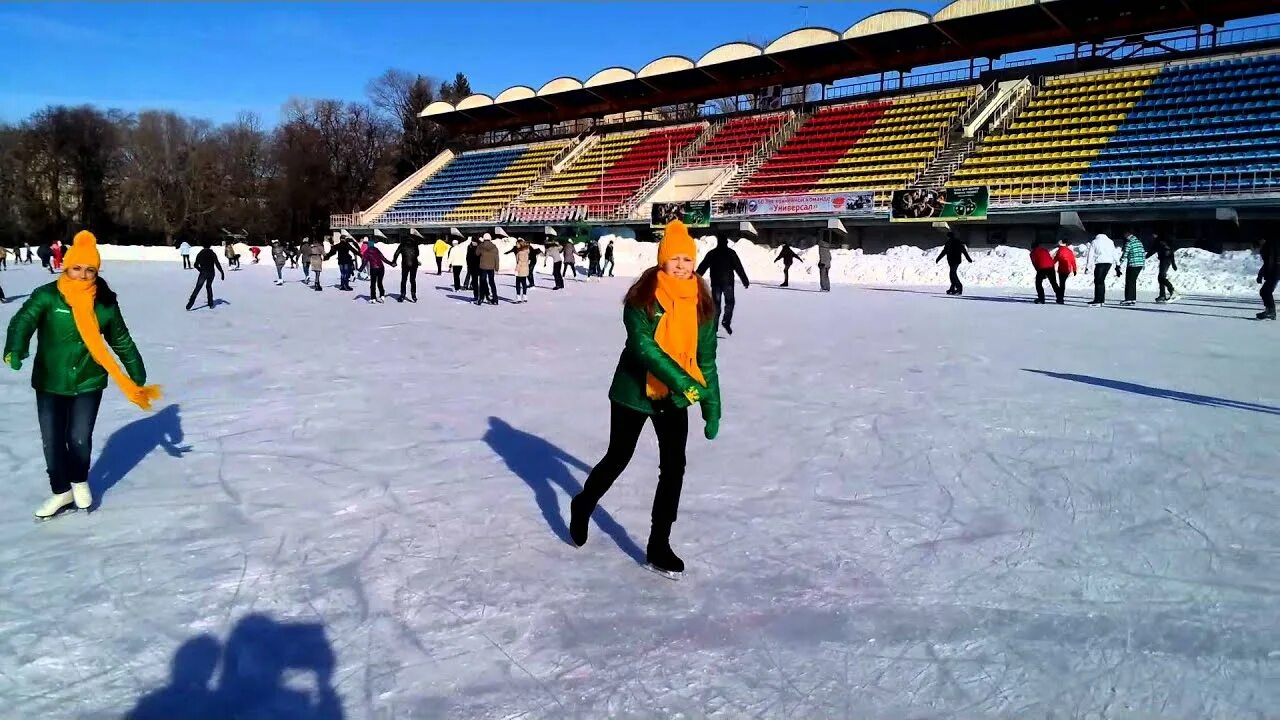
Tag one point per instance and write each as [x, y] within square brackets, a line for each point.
[66, 427]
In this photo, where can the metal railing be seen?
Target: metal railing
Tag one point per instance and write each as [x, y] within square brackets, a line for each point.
[560, 213]
[1191, 40]
[344, 220]
[1141, 186]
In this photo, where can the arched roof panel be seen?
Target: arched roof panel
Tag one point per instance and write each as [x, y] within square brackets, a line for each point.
[729, 52]
[474, 101]
[802, 38]
[886, 21]
[438, 107]
[560, 84]
[609, 75]
[965, 8]
[663, 65]
[519, 92]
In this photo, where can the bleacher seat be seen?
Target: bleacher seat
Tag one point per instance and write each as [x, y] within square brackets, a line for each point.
[738, 139]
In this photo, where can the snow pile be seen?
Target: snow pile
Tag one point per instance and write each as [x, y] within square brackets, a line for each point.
[1199, 271]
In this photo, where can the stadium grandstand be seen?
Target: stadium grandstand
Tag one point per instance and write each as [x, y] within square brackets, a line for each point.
[1055, 112]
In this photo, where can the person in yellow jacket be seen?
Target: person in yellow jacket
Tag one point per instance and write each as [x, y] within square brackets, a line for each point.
[73, 361]
[442, 248]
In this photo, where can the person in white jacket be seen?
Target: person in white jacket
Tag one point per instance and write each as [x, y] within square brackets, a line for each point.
[1101, 256]
[457, 256]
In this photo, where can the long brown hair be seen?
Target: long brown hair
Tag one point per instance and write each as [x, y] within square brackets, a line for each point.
[643, 294]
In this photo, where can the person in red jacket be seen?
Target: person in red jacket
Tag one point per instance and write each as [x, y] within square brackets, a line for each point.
[1065, 259]
[1042, 261]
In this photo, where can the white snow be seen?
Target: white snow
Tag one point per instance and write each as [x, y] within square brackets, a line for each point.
[919, 506]
[1199, 271]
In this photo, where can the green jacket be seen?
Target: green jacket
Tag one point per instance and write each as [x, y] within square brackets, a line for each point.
[1135, 255]
[63, 365]
[642, 356]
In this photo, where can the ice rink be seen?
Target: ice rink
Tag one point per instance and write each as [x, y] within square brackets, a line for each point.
[919, 506]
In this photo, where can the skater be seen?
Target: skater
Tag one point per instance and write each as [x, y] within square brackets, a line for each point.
[279, 255]
[1134, 257]
[534, 252]
[255, 251]
[473, 265]
[1100, 256]
[1065, 260]
[954, 250]
[408, 249]
[233, 259]
[1268, 276]
[787, 256]
[315, 255]
[593, 259]
[1164, 254]
[56, 258]
[668, 364]
[1042, 261]
[487, 256]
[346, 252]
[185, 251]
[295, 252]
[824, 264]
[524, 269]
[724, 263]
[570, 258]
[79, 323]
[457, 260]
[30, 257]
[608, 257]
[4, 258]
[206, 263]
[46, 257]
[441, 249]
[376, 264]
[554, 252]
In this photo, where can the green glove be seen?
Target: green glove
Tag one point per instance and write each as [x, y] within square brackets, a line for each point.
[712, 428]
[13, 361]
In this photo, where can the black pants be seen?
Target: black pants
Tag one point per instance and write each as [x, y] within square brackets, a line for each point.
[490, 280]
[1268, 291]
[439, 264]
[1131, 274]
[725, 292]
[469, 282]
[558, 272]
[593, 268]
[786, 274]
[280, 272]
[66, 429]
[206, 281]
[409, 277]
[608, 263]
[316, 286]
[571, 265]
[625, 424]
[1100, 282]
[376, 290]
[4, 262]
[530, 276]
[1062, 287]
[1166, 287]
[457, 278]
[1041, 276]
[479, 288]
[522, 286]
[824, 277]
[957, 287]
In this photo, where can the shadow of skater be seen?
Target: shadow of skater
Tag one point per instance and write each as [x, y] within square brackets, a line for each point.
[188, 695]
[129, 445]
[543, 467]
[252, 683]
[1193, 399]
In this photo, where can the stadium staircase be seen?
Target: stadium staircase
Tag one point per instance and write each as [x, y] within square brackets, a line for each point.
[878, 146]
[1184, 129]
[762, 154]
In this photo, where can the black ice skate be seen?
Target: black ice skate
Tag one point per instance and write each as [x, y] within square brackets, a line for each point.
[579, 519]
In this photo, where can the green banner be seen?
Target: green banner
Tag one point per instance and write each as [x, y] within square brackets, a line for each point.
[694, 213]
[944, 205]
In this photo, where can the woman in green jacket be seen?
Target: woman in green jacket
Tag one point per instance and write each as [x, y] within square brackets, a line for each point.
[70, 317]
[668, 364]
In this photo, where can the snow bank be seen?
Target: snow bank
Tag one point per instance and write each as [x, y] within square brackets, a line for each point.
[1199, 271]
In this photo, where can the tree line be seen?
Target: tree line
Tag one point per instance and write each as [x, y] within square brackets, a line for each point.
[157, 176]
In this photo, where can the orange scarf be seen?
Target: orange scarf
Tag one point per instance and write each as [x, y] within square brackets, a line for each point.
[677, 332]
[80, 295]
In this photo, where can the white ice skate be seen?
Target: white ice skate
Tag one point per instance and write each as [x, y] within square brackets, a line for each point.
[82, 495]
[54, 505]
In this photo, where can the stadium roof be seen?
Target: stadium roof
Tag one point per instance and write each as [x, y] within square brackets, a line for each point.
[892, 40]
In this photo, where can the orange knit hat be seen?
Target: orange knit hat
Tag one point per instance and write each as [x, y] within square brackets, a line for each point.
[676, 240]
[84, 251]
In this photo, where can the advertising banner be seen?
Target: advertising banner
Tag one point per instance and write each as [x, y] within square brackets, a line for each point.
[945, 205]
[694, 213]
[827, 204]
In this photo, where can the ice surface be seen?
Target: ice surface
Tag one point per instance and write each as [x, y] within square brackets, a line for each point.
[919, 506]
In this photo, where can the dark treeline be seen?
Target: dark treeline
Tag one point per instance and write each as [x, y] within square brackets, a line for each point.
[159, 177]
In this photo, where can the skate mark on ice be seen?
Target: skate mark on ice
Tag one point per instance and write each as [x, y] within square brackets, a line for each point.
[131, 444]
[1192, 398]
[544, 467]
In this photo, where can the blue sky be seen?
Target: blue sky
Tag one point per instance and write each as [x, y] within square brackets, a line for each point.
[214, 60]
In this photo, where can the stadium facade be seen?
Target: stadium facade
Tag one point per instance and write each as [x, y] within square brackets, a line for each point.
[1160, 115]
